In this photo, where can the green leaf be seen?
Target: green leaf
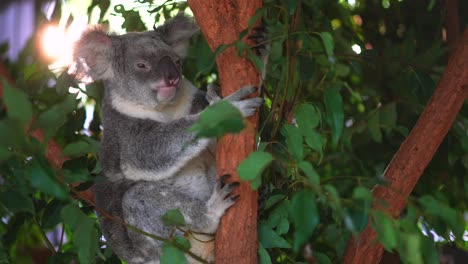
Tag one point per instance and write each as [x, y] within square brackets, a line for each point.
[309, 170]
[316, 141]
[358, 214]
[182, 242]
[73, 176]
[85, 237]
[173, 217]
[342, 70]
[293, 138]
[291, 5]
[51, 216]
[217, 120]
[362, 193]
[11, 134]
[253, 166]
[264, 257]
[305, 217]
[171, 255]
[78, 148]
[5, 154]
[441, 210]
[328, 43]
[322, 258]
[18, 105]
[307, 117]
[56, 116]
[44, 179]
[16, 201]
[335, 112]
[388, 116]
[333, 196]
[387, 233]
[374, 127]
[413, 249]
[283, 226]
[270, 239]
[306, 68]
[272, 200]
[256, 60]
[64, 82]
[280, 212]
[255, 183]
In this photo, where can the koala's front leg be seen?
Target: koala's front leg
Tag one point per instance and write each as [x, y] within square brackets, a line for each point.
[246, 106]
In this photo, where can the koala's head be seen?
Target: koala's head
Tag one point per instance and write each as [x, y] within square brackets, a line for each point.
[143, 68]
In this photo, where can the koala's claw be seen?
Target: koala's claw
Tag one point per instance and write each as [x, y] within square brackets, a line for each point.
[234, 198]
[221, 198]
[223, 179]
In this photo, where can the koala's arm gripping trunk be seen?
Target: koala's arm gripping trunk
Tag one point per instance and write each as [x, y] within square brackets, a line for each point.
[221, 22]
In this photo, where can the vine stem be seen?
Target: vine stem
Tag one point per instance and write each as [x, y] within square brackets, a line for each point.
[44, 236]
[118, 220]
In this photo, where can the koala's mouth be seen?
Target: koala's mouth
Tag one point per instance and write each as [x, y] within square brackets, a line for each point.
[166, 91]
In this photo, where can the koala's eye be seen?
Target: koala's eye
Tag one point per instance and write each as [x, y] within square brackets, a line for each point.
[142, 66]
[178, 62]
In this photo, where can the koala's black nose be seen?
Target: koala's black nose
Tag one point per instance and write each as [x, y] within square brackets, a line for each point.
[169, 71]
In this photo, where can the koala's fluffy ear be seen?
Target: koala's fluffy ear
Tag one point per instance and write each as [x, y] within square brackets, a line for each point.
[177, 32]
[92, 55]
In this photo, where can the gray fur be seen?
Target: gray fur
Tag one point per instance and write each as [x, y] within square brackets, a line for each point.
[152, 164]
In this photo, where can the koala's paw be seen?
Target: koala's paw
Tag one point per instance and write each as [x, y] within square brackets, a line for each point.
[212, 93]
[259, 38]
[246, 106]
[221, 199]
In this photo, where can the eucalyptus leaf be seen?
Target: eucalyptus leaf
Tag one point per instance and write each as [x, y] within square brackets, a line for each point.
[328, 43]
[270, 239]
[307, 117]
[85, 236]
[374, 127]
[293, 138]
[217, 120]
[171, 255]
[18, 105]
[16, 201]
[309, 170]
[253, 166]
[386, 230]
[173, 217]
[78, 148]
[263, 256]
[43, 178]
[335, 112]
[305, 217]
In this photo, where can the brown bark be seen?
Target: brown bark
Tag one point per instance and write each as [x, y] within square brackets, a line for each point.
[221, 22]
[415, 152]
[452, 24]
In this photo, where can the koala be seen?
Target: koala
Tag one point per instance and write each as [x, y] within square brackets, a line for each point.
[150, 161]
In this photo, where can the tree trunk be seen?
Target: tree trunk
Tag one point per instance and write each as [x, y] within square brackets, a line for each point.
[221, 22]
[416, 152]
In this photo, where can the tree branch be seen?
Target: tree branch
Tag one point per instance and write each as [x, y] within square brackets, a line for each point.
[415, 152]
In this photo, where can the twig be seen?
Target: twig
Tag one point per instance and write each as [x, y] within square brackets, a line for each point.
[44, 236]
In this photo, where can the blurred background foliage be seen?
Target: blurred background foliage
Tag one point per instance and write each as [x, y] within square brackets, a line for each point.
[344, 84]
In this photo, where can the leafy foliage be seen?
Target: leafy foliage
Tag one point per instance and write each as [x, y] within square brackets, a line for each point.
[332, 121]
